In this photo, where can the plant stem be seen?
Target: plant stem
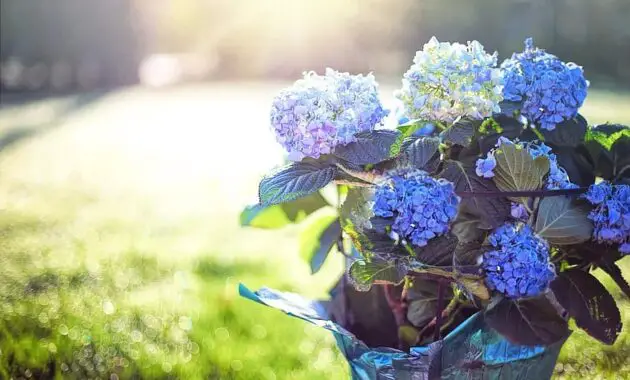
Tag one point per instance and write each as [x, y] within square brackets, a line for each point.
[522, 194]
[439, 310]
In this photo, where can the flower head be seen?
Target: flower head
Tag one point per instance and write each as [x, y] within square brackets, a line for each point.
[318, 112]
[611, 214]
[420, 206]
[519, 265]
[550, 90]
[447, 81]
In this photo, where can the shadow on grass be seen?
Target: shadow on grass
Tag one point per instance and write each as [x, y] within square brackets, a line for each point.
[16, 133]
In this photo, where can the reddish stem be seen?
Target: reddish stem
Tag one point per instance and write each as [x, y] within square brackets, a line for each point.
[439, 310]
[529, 193]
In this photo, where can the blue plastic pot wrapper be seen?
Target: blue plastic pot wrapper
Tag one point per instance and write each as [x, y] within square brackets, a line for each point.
[471, 351]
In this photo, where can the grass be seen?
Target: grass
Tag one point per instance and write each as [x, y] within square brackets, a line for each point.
[120, 250]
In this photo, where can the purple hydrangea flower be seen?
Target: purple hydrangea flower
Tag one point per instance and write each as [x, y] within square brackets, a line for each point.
[611, 214]
[318, 112]
[420, 206]
[550, 90]
[519, 265]
[518, 211]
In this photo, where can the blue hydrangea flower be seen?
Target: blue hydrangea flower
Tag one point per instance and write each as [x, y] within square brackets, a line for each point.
[420, 206]
[550, 90]
[519, 265]
[318, 112]
[518, 211]
[447, 81]
[611, 214]
[485, 166]
[557, 177]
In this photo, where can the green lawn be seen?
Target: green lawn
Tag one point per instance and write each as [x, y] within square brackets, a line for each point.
[121, 253]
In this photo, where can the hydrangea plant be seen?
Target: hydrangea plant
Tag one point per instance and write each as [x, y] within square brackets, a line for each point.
[464, 215]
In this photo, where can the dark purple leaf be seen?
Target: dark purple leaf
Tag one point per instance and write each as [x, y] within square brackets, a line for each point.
[370, 148]
[589, 303]
[491, 211]
[529, 322]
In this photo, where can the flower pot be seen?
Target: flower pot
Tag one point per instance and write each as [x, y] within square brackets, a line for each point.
[471, 351]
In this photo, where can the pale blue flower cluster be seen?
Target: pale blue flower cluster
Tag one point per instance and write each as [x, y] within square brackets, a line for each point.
[557, 178]
[519, 265]
[320, 112]
[420, 206]
[447, 81]
[550, 90]
[611, 215]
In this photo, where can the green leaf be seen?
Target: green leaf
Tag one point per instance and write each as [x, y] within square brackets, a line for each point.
[516, 170]
[406, 130]
[562, 222]
[460, 133]
[364, 274]
[607, 134]
[355, 214]
[370, 148]
[491, 211]
[294, 181]
[277, 216]
[318, 238]
[589, 303]
[607, 146]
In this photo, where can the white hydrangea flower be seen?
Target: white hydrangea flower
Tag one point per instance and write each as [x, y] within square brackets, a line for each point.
[447, 81]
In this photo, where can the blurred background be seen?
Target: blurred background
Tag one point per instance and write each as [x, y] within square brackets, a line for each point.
[132, 133]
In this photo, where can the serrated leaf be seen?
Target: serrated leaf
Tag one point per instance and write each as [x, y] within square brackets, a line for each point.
[569, 133]
[421, 153]
[370, 148]
[607, 145]
[460, 133]
[529, 322]
[605, 257]
[589, 303]
[277, 216]
[607, 134]
[364, 274]
[491, 211]
[438, 251]
[406, 130]
[516, 170]
[294, 181]
[318, 238]
[562, 222]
